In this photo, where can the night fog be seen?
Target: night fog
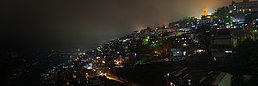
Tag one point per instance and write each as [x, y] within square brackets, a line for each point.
[86, 23]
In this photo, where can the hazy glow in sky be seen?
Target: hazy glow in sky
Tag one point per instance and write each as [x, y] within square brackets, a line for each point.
[82, 22]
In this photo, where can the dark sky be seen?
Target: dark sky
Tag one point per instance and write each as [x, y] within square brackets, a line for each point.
[82, 23]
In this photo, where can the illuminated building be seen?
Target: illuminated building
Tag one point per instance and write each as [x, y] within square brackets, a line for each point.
[207, 19]
[205, 12]
[177, 54]
[245, 6]
[242, 9]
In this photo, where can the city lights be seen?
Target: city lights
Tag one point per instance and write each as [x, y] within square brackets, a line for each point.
[184, 44]
[184, 53]
[101, 49]
[228, 51]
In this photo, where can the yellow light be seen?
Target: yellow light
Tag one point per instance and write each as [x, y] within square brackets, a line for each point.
[205, 12]
[87, 74]
[117, 62]
[184, 44]
[209, 17]
[171, 83]
[215, 16]
[103, 62]
[156, 52]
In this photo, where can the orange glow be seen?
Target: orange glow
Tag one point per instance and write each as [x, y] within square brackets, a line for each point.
[156, 52]
[117, 62]
[87, 74]
[205, 12]
[138, 26]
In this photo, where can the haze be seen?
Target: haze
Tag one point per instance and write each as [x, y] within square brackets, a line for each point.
[85, 23]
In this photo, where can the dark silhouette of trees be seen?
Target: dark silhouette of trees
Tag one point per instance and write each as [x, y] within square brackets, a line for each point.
[204, 36]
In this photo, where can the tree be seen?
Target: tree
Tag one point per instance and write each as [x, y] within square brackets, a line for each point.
[204, 36]
[223, 13]
[183, 22]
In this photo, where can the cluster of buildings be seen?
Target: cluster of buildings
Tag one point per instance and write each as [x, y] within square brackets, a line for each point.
[189, 77]
[238, 15]
[158, 44]
[166, 43]
[228, 26]
[80, 69]
[242, 9]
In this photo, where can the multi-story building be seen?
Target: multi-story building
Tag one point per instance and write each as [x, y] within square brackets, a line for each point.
[242, 9]
[190, 77]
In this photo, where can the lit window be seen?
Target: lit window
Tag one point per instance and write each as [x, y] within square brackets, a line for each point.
[228, 51]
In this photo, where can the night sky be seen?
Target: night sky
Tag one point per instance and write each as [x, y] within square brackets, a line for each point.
[84, 23]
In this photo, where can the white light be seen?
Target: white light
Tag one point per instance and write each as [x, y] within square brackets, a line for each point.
[125, 40]
[189, 82]
[228, 51]
[171, 83]
[148, 37]
[74, 76]
[200, 50]
[97, 57]
[193, 26]
[184, 53]
[89, 67]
